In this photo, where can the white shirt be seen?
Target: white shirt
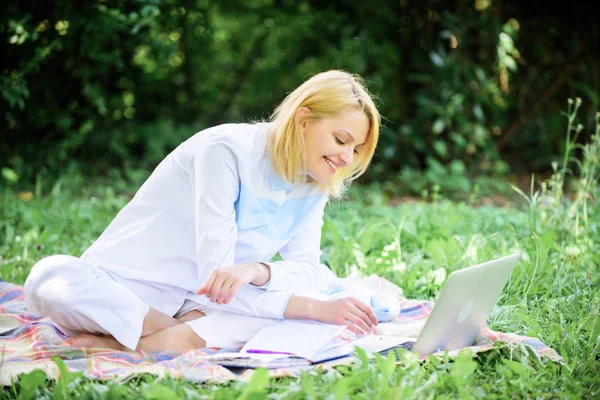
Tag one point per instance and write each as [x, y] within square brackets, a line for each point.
[214, 202]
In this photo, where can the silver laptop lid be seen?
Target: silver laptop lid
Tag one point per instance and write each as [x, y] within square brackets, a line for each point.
[463, 306]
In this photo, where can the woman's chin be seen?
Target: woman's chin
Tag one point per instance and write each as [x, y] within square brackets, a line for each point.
[324, 181]
[321, 178]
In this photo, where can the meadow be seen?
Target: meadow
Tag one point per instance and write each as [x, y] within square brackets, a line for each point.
[552, 294]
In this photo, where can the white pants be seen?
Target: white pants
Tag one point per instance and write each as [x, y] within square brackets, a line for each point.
[81, 297]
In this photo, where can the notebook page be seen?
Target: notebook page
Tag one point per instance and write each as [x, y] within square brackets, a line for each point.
[301, 338]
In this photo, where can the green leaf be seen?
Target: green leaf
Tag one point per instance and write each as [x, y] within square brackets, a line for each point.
[10, 175]
[520, 192]
[307, 383]
[463, 368]
[362, 357]
[29, 383]
[595, 331]
[517, 367]
[510, 63]
[507, 42]
[342, 388]
[457, 167]
[478, 112]
[440, 147]
[437, 59]
[389, 365]
[438, 126]
[408, 358]
[257, 385]
[159, 392]
[62, 384]
[434, 360]
[464, 364]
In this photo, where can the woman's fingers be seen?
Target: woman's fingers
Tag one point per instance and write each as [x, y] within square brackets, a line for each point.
[220, 286]
[232, 290]
[354, 328]
[224, 282]
[367, 324]
[225, 291]
[359, 323]
[207, 285]
[369, 316]
[215, 290]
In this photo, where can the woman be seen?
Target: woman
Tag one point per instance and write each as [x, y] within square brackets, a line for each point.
[185, 264]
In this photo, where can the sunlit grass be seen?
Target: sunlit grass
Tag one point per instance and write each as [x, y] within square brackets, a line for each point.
[552, 295]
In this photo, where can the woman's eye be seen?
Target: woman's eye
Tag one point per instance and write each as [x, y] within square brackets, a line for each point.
[339, 141]
[355, 152]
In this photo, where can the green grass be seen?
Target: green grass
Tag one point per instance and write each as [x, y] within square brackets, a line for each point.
[553, 293]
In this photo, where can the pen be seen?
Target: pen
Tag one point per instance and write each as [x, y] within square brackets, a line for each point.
[267, 352]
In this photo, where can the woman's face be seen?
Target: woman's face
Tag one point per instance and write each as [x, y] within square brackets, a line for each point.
[332, 143]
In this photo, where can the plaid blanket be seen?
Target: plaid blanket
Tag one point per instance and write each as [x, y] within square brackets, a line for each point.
[29, 342]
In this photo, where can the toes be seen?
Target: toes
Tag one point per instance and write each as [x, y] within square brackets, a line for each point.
[92, 341]
[83, 340]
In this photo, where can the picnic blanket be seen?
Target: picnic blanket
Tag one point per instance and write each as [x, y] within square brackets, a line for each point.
[29, 341]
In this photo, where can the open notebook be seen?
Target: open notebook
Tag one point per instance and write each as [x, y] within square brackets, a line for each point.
[303, 343]
[371, 344]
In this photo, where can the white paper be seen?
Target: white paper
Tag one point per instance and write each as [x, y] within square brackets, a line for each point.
[371, 344]
[301, 338]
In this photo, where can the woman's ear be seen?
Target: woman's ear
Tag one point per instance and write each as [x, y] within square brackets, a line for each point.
[300, 118]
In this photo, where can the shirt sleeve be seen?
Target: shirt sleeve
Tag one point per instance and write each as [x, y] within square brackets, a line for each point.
[300, 267]
[215, 183]
[250, 300]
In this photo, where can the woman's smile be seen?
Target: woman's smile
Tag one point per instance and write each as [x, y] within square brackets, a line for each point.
[331, 165]
[340, 136]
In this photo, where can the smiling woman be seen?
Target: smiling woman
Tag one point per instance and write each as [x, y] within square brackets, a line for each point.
[332, 108]
[329, 144]
[186, 263]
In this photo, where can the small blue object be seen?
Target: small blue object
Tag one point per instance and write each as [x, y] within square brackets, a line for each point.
[385, 305]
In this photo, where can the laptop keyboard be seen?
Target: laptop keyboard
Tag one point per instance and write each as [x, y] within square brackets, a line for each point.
[406, 345]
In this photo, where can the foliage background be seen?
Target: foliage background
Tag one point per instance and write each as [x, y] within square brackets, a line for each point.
[464, 85]
[472, 91]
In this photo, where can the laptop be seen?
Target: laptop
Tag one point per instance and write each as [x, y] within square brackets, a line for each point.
[462, 307]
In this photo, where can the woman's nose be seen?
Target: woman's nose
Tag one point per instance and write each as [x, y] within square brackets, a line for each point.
[347, 156]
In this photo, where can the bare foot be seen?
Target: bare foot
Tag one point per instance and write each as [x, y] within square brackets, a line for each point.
[191, 315]
[93, 341]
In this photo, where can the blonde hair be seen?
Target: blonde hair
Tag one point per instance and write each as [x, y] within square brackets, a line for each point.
[325, 95]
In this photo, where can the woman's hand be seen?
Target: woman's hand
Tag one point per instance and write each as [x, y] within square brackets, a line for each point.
[356, 315]
[223, 283]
